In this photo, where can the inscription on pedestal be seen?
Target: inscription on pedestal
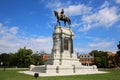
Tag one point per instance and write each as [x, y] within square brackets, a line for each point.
[65, 44]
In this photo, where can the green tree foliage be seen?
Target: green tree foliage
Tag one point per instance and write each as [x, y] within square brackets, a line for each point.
[23, 57]
[100, 58]
[36, 59]
[4, 57]
[12, 60]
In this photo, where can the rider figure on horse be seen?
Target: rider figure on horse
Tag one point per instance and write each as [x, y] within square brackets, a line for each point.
[62, 13]
[61, 17]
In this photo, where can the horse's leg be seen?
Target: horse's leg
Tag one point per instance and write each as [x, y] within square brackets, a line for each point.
[58, 23]
[69, 23]
[64, 23]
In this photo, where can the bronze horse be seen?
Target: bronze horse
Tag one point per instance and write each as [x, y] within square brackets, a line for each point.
[64, 18]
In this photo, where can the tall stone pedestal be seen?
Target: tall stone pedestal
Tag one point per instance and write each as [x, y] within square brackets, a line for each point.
[62, 59]
[62, 52]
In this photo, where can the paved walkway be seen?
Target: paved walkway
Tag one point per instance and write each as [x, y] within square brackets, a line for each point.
[61, 74]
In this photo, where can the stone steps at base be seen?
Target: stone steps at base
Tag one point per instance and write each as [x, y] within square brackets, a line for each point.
[39, 69]
[63, 69]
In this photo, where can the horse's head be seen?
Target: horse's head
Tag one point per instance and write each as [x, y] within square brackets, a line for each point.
[56, 13]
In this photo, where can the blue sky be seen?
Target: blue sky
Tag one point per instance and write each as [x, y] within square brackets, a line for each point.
[30, 23]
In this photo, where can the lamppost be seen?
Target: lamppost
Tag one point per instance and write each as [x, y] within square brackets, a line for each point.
[1, 64]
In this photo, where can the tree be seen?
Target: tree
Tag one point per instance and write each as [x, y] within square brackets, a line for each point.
[12, 60]
[98, 61]
[36, 59]
[100, 58]
[4, 57]
[23, 57]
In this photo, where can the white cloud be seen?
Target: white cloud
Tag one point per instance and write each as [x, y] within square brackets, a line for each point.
[105, 17]
[36, 44]
[76, 24]
[41, 43]
[42, 39]
[82, 50]
[5, 30]
[105, 4]
[2, 29]
[118, 1]
[70, 10]
[102, 44]
[56, 4]
[10, 42]
[74, 10]
[13, 30]
[97, 44]
[87, 16]
[85, 28]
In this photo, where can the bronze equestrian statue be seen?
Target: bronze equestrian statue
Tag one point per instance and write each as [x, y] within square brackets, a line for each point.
[62, 17]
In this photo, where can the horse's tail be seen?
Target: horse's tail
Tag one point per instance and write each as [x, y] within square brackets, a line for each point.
[69, 23]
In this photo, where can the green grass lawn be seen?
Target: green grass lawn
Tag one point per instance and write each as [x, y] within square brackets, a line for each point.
[12, 74]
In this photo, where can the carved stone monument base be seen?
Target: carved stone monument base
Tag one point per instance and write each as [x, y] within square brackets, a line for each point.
[62, 59]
